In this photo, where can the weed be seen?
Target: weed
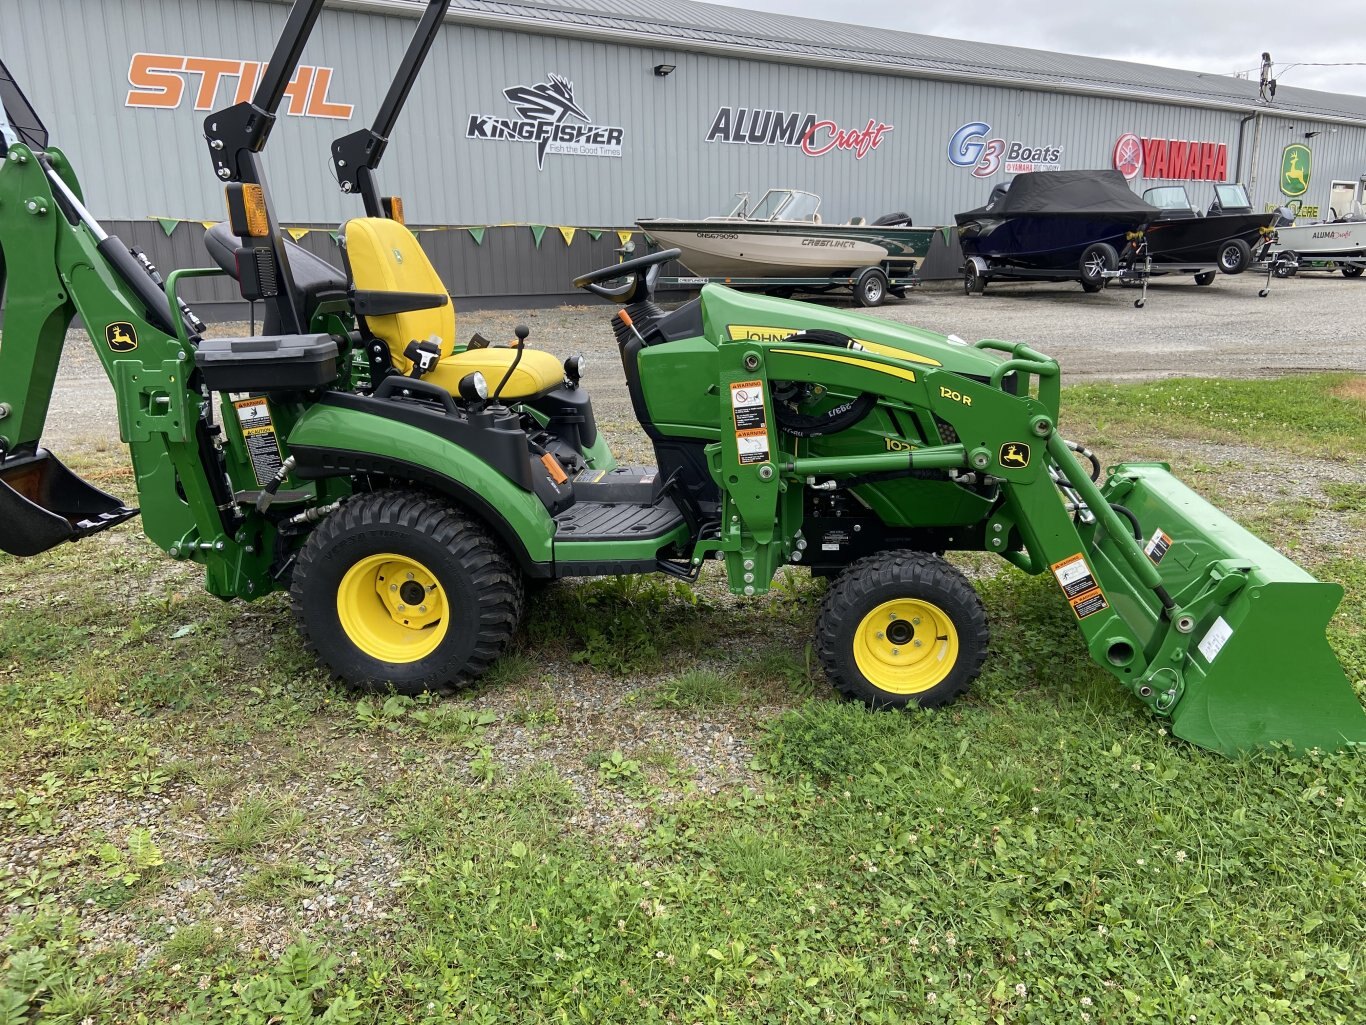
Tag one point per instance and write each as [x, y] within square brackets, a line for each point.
[618, 769]
[698, 688]
[253, 822]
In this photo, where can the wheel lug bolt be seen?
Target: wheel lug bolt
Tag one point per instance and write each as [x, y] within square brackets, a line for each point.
[422, 608]
[879, 635]
[915, 621]
[402, 607]
[393, 587]
[896, 651]
[916, 643]
[410, 576]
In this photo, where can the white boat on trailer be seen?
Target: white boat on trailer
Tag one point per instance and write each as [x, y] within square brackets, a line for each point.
[1338, 243]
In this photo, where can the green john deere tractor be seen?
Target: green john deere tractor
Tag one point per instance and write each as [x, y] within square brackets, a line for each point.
[403, 489]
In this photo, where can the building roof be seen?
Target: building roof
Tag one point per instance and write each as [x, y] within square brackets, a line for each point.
[688, 25]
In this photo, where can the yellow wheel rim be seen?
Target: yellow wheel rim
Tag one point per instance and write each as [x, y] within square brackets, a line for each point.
[906, 646]
[392, 608]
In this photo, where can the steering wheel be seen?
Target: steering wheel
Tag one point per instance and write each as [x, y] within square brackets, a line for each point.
[640, 274]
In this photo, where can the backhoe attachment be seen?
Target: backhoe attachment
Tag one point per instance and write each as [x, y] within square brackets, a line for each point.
[42, 504]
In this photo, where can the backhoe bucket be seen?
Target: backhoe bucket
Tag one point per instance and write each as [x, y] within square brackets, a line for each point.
[42, 504]
[1259, 669]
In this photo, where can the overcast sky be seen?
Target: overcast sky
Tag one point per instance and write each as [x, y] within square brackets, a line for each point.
[1203, 35]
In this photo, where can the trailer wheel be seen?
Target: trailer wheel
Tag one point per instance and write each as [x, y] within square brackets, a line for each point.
[398, 589]
[973, 280]
[1354, 271]
[871, 287]
[1285, 264]
[902, 627]
[1096, 260]
[1206, 279]
[1234, 256]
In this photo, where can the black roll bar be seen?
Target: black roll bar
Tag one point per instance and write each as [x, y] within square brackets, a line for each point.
[237, 135]
[357, 156]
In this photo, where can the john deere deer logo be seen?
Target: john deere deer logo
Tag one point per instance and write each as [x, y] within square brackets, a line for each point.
[121, 337]
[1014, 454]
[1295, 169]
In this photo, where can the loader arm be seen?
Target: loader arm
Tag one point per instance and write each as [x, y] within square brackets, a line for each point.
[1185, 608]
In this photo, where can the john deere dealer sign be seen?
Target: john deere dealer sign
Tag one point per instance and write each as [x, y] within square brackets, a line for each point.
[1295, 168]
[549, 117]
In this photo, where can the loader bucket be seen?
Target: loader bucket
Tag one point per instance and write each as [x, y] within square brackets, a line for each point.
[42, 504]
[1259, 669]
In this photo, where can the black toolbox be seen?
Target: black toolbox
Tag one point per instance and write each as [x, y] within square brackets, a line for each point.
[268, 363]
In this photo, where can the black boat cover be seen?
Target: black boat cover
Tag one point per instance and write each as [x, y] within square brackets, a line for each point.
[1067, 192]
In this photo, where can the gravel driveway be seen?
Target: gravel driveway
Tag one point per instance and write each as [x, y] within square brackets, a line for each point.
[1311, 322]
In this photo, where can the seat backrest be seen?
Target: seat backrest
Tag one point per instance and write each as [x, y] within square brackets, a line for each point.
[386, 257]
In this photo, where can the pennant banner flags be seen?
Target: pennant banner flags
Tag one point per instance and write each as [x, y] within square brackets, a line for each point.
[168, 224]
[594, 233]
[298, 233]
[946, 230]
[335, 236]
[567, 234]
[625, 236]
[477, 234]
[208, 224]
[538, 232]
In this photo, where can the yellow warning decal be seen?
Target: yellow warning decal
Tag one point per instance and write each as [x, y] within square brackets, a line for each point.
[1158, 546]
[258, 432]
[1079, 586]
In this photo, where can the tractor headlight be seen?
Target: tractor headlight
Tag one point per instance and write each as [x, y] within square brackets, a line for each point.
[573, 369]
[473, 387]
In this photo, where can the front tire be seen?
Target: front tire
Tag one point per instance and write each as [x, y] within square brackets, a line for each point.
[398, 589]
[1206, 279]
[1234, 256]
[902, 627]
[973, 281]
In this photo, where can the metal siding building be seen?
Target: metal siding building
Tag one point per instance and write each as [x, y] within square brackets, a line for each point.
[141, 162]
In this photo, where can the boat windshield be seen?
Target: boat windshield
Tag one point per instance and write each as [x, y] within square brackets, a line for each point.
[1232, 197]
[785, 205]
[1168, 197]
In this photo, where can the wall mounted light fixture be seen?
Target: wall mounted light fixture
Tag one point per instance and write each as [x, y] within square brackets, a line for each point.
[665, 70]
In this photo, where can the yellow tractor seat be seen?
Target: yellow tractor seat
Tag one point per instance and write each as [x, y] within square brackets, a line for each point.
[384, 256]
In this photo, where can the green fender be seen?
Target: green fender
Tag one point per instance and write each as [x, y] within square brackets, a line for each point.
[410, 453]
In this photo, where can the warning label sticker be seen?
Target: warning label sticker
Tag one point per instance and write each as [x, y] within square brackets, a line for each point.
[1157, 548]
[751, 422]
[1079, 586]
[1215, 639]
[259, 434]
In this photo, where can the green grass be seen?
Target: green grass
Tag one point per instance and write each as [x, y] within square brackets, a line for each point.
[1312, 411]
[201, 830]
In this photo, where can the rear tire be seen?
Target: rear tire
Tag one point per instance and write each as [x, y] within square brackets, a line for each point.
[973, 281]
[1352, 272]
[1234, 256]
[871, 287]
[1098, 258]
[354, 612]
[1206, 279]
[902, 627]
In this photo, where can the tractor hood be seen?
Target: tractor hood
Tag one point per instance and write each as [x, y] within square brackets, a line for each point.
[728, 315]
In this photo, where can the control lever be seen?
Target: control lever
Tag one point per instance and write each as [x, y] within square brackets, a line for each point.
[522, 332]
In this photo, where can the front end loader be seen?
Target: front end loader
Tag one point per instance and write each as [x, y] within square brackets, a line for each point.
[403, 487]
